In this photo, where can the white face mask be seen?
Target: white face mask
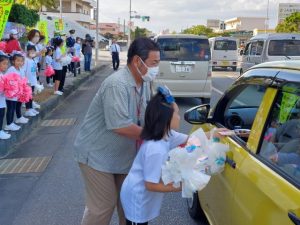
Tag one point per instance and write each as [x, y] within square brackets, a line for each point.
[151, 72]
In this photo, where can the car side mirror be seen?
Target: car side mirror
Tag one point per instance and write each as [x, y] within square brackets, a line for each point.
[242, 52]
[197, 115]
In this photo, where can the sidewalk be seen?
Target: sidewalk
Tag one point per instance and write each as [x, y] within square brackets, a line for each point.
[49, 102]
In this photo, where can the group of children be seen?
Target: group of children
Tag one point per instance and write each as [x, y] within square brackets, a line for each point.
[29, 64]
[24, 66]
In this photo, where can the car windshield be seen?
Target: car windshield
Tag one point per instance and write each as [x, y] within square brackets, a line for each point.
[184, 49]
[284, 48]
[225, 45]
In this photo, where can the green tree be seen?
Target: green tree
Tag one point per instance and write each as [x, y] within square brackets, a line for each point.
[21, 14]
[139, 32]
[37, 4]
[198, 30]
[291, 24]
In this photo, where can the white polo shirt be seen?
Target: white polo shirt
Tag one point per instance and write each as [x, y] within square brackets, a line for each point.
[139, 204]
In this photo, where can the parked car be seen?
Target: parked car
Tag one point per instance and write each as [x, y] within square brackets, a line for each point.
[224, 52]
[185, 65]
[270, 47]
[261, 180]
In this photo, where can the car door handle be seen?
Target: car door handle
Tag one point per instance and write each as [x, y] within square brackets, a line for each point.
[294, 218]
[230, 162]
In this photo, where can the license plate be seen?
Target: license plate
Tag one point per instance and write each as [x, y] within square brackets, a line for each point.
[225, 63]
[183, 69]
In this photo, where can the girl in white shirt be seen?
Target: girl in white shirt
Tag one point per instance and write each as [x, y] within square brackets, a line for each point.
[31, 74]
[17, 67]
[77, 48]
[57, 64]
[142, 190]
[4, 60]
[49, 62]
[17, 62]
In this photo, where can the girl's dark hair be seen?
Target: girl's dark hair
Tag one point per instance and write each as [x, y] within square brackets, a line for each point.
[48, 50]
[57, 42]
[158, 118]
[32, 33]
[3, 58]
[30, 47]
[42, 37]
[15, 56]
[141, 47]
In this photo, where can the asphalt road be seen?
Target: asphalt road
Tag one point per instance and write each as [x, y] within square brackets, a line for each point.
[56, 195]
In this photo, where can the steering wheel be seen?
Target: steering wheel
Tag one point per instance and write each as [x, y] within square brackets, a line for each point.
[234, 121]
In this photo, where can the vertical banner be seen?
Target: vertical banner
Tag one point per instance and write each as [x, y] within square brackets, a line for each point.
[5, 6]
[59, 25]
[42, 26]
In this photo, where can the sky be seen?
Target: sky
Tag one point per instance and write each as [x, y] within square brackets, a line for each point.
[176, 15]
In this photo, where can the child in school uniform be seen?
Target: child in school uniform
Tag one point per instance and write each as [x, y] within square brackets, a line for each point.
[17, 62]
[57, 64]
[4, 61]
[31, 74]
[77, 48]
[17, 67]
[49, 62]
[142, 191]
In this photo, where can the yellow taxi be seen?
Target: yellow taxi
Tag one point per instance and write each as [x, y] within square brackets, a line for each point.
[261, 180]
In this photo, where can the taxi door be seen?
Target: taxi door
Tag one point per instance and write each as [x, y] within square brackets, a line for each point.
[236, 110]
[267, 190]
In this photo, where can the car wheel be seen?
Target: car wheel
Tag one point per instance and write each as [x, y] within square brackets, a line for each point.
[233, 68]
[205, 100]
[195, 210]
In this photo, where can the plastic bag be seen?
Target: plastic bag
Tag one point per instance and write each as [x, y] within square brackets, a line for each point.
[66, 60]
[38, 88]
[193, 164]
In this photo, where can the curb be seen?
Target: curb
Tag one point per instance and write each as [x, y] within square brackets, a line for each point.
[7, 147]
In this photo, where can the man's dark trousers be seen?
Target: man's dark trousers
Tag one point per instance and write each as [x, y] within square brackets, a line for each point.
[116, 60]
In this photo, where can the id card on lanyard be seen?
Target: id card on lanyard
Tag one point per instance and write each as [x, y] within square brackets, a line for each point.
[139, 104]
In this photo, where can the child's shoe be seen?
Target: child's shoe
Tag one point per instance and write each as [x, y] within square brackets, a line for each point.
[29, 113]
[12, 127]
[4, 135]
[35, 112]
[22, 120]
[35, 105]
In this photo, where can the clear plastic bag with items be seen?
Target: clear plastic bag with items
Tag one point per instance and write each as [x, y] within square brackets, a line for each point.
[192, 166]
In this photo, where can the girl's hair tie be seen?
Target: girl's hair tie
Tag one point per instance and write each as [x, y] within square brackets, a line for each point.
[165, 91]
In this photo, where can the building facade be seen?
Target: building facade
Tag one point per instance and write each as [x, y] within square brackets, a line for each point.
[75, 10]
[286, 9]
[245, 23]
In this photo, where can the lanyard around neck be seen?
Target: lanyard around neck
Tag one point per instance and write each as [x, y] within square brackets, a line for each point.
[139, 103]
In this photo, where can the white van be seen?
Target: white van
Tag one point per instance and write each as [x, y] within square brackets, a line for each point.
[185, 65]
[224, 52]
[270, 47]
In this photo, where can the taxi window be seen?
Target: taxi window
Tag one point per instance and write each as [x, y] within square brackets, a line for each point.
[281, 140]
[242, 108]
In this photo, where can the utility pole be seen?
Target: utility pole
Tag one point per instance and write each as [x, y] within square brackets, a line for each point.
[129, 25]
[60, 9]
[97, 32]
[267, 22]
